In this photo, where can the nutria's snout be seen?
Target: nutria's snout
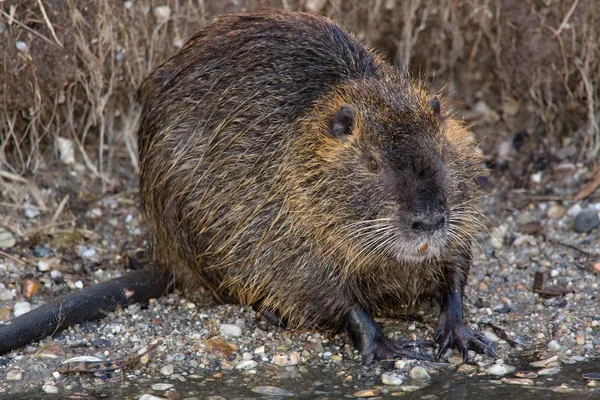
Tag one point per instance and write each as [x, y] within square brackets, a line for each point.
[428, 223]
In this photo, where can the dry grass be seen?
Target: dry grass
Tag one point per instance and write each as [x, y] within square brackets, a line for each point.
[539, 65]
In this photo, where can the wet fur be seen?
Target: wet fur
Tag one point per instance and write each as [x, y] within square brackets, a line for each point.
[247, 193]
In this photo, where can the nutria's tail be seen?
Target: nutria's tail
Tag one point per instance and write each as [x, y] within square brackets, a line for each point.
[91, 303]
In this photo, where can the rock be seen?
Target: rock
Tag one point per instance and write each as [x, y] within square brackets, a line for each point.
[543, 363]
[162, 386]
[272, 391]
[549, 371]
[7, 240]
[99, 342]
[586, 220]
[553, 345]
[218, 346]
[366, 393]
[526, 374]
[419, 374]
[14, 375]
[391, 378]
[21, 308]
[44, 265]
[284, 360]
[147, 396]
[520, 381]
[227, 365]
[556, 212]
[22, 46]
[248, 364]
[259, 350]
[31, 212]
[5, 314]
[563, 389]
[85, 252]
[592, 376]
[230, 330]
[167, 370]
[162, 13]
[52, 351]
[30, 287]
[50, 389]
[497, 369]
[315, 6]
[574, 210]
[40, 251]
[402, 364]
[6, 295]
[247, 356]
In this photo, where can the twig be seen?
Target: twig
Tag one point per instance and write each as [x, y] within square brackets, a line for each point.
[573, 247]
[12, 177]
[27, 28]
[15, 259]
[49, 24]
[59, 209]
[567, 17]
[590, 188]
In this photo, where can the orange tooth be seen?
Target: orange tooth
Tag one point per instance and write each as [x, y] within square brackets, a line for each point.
[424, 248]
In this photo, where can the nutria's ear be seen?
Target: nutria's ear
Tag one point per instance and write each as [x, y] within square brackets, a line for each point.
[435, 105]
[343, 121]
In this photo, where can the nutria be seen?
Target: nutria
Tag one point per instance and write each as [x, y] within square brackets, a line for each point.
[284, 165]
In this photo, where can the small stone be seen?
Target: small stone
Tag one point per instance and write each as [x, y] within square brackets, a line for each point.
[85, 252]
[410, 388]
[52, 351]
[549, 371]
[596, 267]
[553, 345]
[7, 240]
[315, 6]
[497, 369]
[574, 210]
[520, 381]
[592, 376]
[247, 356]
[145, 359]
[284, 360]
[31, 212]
[259, 350]
[248, 364]
[218, 346]
[22, 46]
[456, 359]
[391, 378]
[491, 336]
[563, 389]
[50, 389]
[272, 391]
[44, 265]
[556, 212]
[30, 287]
[218, 375]
[167, 370]
[162, 386]
[21, 308]
[402, 364]
[6, 295]
[162, 13]
[147, 396]
[230, 330]
[99, 342]
[586, 220]
[227, 365]
[40, 251]
[14, 375]
[419, 374]
[526, 374]
[367, 393]
[543, 363]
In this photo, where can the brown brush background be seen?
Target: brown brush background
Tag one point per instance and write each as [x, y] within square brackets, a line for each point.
[534, 63]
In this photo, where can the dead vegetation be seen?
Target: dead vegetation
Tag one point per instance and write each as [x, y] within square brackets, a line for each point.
[70, 68]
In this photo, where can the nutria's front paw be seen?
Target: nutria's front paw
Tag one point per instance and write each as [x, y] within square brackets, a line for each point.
[463, 339]
[383, 348]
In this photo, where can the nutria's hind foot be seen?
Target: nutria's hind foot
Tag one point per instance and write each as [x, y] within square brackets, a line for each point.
[373, 344]
[272, 317]
[463, 339]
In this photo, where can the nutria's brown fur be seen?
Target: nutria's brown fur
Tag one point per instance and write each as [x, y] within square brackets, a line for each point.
[286, 166]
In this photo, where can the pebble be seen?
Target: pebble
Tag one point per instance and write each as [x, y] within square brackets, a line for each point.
[402, 364]
[556, 212]
[315, 6]
[259, 350]
[21, 308]
[85, 252]
[167, 370]
[391, 378]
[5, 314]
[497, 369]
[272, 391]
[30, 287]
[7, 240]
[526, 374]
[50, 389]
[227, 365]
[40, 251]
[99, 342]
[553, 345]
[44, 265]
[21, 46]
[284, 360]
[162, 386]
[147, 396]
[519, 381]
[419, 374]
[574, 210]
[218, 346]
[586, 220]
[247, 356]
[367, 393]
[6, 295]
[52, 351]
[596, 267]
[230, 330]
[543, 363]
[14, 375]
[592, 376]
[563, 389]
[162, 13]
[549, 371]
[491, 336]
[248, 364]
[31, 212]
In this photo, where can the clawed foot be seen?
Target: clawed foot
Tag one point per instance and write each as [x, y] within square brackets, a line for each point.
[383, 348]
[463, 339]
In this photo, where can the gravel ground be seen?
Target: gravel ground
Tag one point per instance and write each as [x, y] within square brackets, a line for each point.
[546, 340]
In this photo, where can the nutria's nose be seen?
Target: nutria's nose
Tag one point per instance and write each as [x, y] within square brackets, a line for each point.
[423, 223]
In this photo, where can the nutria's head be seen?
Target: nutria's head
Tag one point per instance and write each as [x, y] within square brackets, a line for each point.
[389, 175]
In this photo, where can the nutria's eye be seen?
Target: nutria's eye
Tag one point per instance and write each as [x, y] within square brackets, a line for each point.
[373, 165]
